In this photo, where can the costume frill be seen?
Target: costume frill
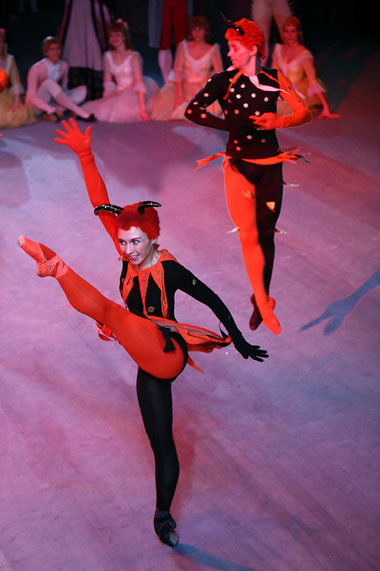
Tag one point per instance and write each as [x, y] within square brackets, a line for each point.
[197, 338]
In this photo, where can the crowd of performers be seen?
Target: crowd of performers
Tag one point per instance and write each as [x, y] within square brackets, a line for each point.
[241, 101]
[91, 70]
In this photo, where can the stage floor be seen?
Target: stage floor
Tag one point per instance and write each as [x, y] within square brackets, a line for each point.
[279, 460]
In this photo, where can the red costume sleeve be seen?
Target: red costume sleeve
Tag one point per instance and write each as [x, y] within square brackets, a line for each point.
[97, 194]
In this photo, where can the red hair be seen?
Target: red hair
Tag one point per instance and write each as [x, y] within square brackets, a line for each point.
[148, 221]
[253, 35]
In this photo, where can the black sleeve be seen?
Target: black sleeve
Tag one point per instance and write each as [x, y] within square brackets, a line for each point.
[197, 112]
[190, 284]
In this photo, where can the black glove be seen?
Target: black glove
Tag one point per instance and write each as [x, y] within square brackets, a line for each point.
[249, 351]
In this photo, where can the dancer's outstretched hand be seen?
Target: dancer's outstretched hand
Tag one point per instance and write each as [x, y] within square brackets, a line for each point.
[72, 137]
[247, 350]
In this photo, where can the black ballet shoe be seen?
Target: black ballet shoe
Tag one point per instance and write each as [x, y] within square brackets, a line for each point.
[90, 119]
[164, 527]
[256, 317]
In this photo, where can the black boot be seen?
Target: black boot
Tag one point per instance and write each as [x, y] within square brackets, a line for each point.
[164, 526]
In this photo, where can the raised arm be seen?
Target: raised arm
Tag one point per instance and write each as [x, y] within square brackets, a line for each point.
[187, 282]
[80, 143]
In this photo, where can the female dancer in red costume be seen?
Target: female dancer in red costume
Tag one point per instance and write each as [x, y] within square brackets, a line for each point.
[148, 330]
[253, 162]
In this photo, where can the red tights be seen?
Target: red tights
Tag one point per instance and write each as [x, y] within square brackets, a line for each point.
[139, 336]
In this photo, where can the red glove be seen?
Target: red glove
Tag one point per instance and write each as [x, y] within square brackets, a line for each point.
[78, 142]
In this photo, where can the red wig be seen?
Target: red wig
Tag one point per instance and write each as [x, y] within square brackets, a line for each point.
[147, 220]
[253, 35]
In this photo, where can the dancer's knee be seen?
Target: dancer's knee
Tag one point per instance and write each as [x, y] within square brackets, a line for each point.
[249, 236]
[52, 87]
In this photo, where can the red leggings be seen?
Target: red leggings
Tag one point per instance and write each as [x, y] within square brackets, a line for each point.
[174, 16]
[246, 202]
[139, 336]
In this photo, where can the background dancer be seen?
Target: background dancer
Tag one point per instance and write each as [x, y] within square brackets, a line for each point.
[253, 162]
[297, 63]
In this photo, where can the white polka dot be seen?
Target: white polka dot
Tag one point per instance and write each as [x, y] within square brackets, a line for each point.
[203, 116]
[249, 136]
[263, 140]
[236, 141]
[226, 112]
[245, 105]
[257, 112]
[208, 81]
[232, 89]
[253, 94]
[236, 111]
[238, 96]
[189, 111]
[195, 103]
[230, 79]
[206, 94]
[266, 98]
[238, 148]
[242, 85]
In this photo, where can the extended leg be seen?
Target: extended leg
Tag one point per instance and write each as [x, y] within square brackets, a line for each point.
[50, 89]
[139, 337]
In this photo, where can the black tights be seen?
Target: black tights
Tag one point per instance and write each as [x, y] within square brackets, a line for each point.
[155, 400]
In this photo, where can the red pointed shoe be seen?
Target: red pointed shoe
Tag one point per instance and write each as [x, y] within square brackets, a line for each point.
[269, 318]
[53, 267]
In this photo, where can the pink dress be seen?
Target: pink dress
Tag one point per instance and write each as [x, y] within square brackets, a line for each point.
[120, 103]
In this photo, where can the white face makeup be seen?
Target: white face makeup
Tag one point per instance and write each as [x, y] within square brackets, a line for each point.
[137, 247]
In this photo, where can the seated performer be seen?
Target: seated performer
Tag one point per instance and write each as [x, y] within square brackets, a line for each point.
[147, 330]
[195, 61]
[253, 163]
[127, 93]
[47, 82]
[297, 64]
[13, 112]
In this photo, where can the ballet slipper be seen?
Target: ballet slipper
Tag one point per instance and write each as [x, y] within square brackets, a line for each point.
[54, 267]
[256, 317]
[164, 527]
[269, 318]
